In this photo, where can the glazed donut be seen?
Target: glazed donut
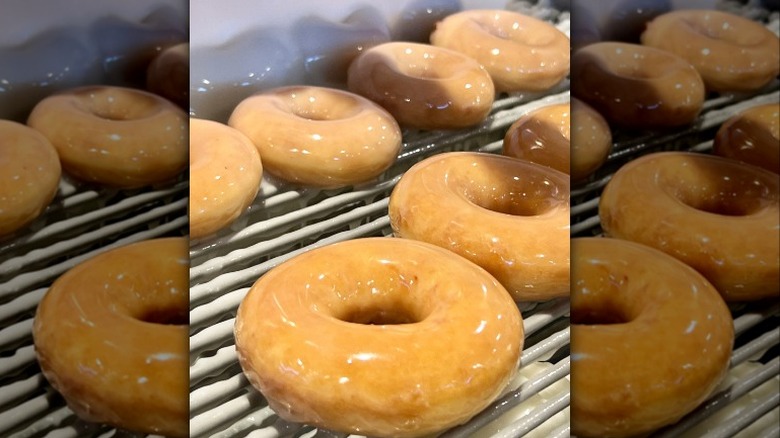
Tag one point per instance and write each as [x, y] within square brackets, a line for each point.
[168, 74]
[225, 175]
[661, 321]
[422, 86]
[509, 216]
[719, 216]
[731, 53]
[319, 136]
[111, 337]
[29, 175]
[399, 338]
[114, 136]
[637, 86]
[752, 136]
[520, 52]
[591, 140]
[542, 137]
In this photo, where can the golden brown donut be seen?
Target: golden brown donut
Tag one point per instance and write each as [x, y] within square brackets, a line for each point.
[396, 339]
[752, 136]
[591, 140]
[542, 137]
[507, 215]
[719, 216]
[29, 175]
[520, 52]
[168, 74]
[225, 175]
[111, 337]
[650, 339]
[423, 86]
[114, 136]
[319, 136]
[731, 53]
[637, 86]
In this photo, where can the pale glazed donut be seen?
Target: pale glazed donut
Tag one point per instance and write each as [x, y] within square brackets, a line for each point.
[719, 216]
[423, 86]
[731, 53]
[591, 140]
[507, 215]
[319, 136]
[650, 339]
[168, 75]
[111, 337]
[520, 52]
[541, 136]
[29, 175]
[114, 136]
[637, 86]
[396, 339]
[225, 175]
[752, 136]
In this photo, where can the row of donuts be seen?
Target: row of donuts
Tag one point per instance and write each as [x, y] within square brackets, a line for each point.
[677, 213]
[103, 135]
[325, 137]
[503, 233]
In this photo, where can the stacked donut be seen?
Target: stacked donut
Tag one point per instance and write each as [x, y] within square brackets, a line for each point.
[386, 295]
[701, 227]
[103, 135]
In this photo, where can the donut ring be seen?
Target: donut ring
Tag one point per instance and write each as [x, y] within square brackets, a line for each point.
[114, 136]
[519, 52]
[111, 337]
[225, 175]
[731, 53]
[507, 215]
[696, 208]
[319, 136]
[621, 311]
[29, 175]
[422, 86]
[387, 308]
[752, 136]
[591, 140]
[168, 74]
[542, 137]
[637, 86]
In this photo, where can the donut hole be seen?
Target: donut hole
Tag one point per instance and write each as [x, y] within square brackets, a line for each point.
[120, 105]
[639, 63]
[165, 316]
[322, 107]
[606, 313]
[529, 195]
[381, 315]
[421, 64]
[723, 30]
[725, 195]
[510, 30]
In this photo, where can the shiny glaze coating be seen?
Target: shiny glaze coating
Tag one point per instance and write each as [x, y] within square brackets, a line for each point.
[111, 337]
[225, 175]
[507, 215]
[591, 140]
[29, 175]
[521, 53]
[637, 86]
[423, 86]
[650, 338]
[319, 136]
[752, 136]
[541, 136]
[731, 53]
[168, 74]
[114, 136]
[719, 216]
[397, 338]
